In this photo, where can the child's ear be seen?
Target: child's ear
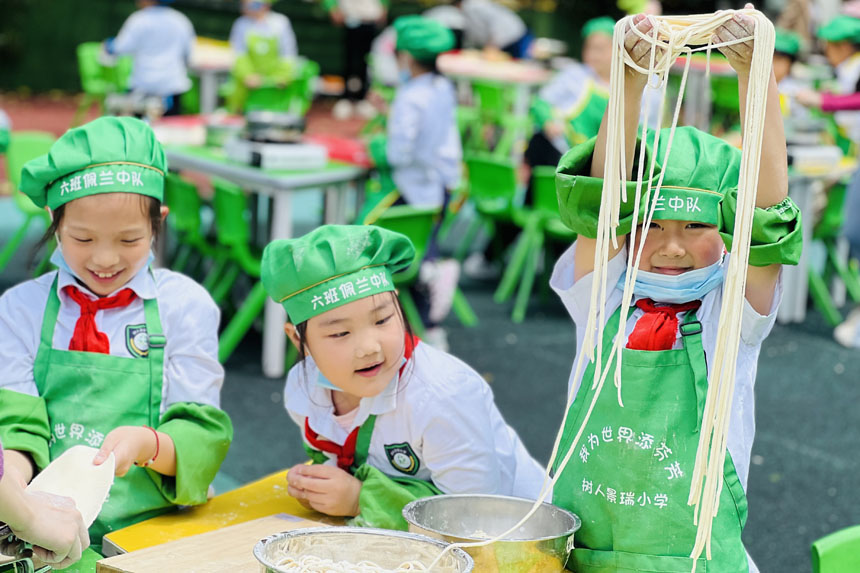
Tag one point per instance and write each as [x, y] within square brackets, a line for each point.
[165, 210]
[293, 335]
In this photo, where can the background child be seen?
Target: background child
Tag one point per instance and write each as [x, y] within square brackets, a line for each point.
[641, 520]
[385, 418]
[422, 154]
[264, 44]
[105, 351]
[159, 39]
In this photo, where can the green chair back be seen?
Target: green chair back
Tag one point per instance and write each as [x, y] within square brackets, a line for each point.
[838, 552]
[97, 79]
[232, 224]
[24, 146]
[492, 182]
[543, 189]
[493, 100]
[184, 202]
[417, 224]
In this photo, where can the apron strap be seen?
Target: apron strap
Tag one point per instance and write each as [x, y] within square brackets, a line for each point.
[362, 445]
[691, 334]
[46, 339]
[155, 355]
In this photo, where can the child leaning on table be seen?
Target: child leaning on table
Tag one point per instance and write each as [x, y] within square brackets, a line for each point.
[384, 417]
[106, 351]
[639, 519]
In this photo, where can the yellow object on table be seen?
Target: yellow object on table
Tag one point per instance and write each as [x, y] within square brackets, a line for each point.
[262, 498]
[228, 550]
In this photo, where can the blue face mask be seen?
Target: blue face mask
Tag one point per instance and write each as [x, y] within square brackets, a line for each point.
[324, 382]
[676, 289]
[59, 261]
[404, 74]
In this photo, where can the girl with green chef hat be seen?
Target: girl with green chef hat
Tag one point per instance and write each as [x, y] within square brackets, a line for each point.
[106, 351]
[385, 417]
[629, 478]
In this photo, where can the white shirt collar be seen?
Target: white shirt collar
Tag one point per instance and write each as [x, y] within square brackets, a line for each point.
[142, 283]
[305, 398]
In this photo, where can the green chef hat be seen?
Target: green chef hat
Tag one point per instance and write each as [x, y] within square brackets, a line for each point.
[107, 155]
[602, 25]
[331, 266]
[841, 28]
[422, 37]
[787, 42]
[700, 184]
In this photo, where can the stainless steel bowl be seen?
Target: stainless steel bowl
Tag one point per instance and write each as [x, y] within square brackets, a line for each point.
[386, 548]
[541, 545]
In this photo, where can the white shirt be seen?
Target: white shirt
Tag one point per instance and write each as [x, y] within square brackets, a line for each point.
[273, 25]
[488, 23]
[356, 12]
[847, 76]
[159, 39]
[424, 148]
[444, 410]
[754, 330]
[5, 122]
[189, 319]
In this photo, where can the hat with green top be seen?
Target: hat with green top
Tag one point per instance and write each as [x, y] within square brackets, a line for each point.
[841, 29]
[700, 184]
[787, 42]
[107, 155]
[602, 25]
[332, 266]
[422, 37]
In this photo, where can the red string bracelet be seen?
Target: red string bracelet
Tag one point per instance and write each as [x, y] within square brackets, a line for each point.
[149, 462]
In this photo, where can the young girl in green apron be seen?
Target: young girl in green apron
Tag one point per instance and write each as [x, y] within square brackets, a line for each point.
[638, 519]
[107, 352]
[385, 417]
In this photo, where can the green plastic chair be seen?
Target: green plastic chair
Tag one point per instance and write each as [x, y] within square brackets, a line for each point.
[494, 108]
[838, 552]
[24, 146]
[540, 222]
[493, 190]
[417, 223]
[296, 97]
[97, 80]
[827, 232]
[185, 221]
[233, 254]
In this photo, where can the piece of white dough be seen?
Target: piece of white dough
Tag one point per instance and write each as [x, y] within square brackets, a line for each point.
[74, 475]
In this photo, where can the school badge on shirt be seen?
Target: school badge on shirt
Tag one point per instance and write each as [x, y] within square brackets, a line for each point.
[137, 340]
[402, 458]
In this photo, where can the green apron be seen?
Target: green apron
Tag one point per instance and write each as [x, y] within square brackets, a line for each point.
[583, 121]
[629, 479]
[89, 394]
[382, 497]
[261, 58]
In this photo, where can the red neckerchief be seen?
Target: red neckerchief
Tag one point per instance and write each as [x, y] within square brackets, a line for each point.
[658, 327]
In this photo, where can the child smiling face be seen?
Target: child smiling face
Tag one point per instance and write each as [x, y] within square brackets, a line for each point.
[675, 247]
[358, 346]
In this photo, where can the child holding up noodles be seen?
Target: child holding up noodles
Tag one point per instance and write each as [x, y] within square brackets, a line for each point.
[630, 476]
[385, 417]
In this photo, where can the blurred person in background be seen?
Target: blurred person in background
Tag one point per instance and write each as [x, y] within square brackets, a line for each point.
[159, 39]
[361, 20]
[5, 131]
[488, 24]
[265, 45]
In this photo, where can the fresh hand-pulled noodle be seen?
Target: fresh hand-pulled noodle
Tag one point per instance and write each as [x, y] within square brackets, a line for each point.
[671, 37]
[312, 564]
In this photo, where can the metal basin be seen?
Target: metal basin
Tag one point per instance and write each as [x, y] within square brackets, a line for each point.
[541, 545]
[388, 549]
